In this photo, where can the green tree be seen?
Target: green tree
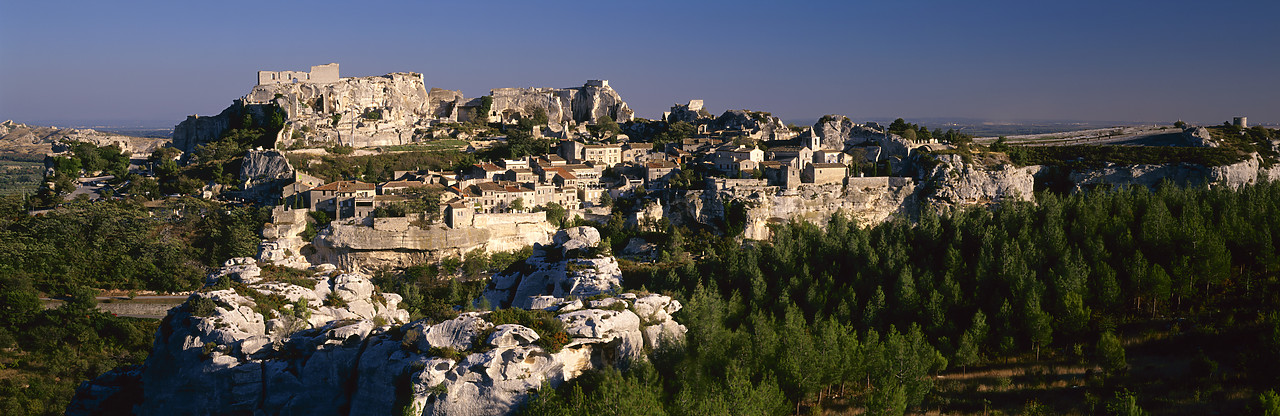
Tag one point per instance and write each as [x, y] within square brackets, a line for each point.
[1269, 403]
[1110, 353]
[1125, 404]
[607, 127]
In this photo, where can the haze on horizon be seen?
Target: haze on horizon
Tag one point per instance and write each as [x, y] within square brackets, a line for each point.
[1086, 60]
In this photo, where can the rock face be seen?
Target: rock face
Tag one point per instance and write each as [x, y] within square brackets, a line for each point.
[688, 113]
[282, 243]
[263, 173]
[198, 130]
[1234, 176]
[366, 111]
[566, 269]
[867, 200]
[360, 112]
[337, 347]
[584, 104]
[959, 183]
[396, 242]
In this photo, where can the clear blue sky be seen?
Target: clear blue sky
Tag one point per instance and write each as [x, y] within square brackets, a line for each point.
[1088, 60]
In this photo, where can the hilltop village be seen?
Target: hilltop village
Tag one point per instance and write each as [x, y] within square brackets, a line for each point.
[564, 152]
[526, 161]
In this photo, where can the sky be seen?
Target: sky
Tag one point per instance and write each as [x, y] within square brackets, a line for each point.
[156, 62]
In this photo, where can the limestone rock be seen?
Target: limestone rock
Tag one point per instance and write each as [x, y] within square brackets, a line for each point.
[41, 140]
[961, 183]
[241, 269]
[637, 247]
[459, 333]
[1199, 137]
[263, 173]
[511, 335]
[577, 238]
[555, 272]
[757, 125]
[585, 104]
[352, 367]
[219, 353]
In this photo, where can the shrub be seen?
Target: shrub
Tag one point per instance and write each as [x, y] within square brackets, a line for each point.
[332, 299]
[202, 307]
[551, 333]
[445, 352]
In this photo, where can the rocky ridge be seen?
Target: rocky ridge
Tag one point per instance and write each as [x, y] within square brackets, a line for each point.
[22, 138]
[393, 109]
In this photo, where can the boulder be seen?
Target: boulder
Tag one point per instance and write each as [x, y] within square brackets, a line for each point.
[577, 238]
[458, 333]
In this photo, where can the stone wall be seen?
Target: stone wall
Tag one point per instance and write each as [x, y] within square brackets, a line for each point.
[394, 242]
[318, 74]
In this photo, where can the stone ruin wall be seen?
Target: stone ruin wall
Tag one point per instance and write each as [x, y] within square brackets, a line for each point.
[319, 74]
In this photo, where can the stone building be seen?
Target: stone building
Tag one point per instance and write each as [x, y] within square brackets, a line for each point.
[658, 173]
[344, 198]
[823, 173]
[794, 156]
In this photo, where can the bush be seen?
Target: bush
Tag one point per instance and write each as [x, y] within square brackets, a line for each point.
[332, 299]
[202, 307]
[551, 333]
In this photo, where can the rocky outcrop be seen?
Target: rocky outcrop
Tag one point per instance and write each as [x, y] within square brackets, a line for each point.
[753, 208]
[1198, 137]
[584, 104]
[40, 140]
[572, 267]
[263, 173]
[688, 113]
[954, 182]
[266, 345]
[444, 104]
[836, 132]
[757, 125]
[368, 244]
[197, 130]
[282, 242]
[360, 112]
[330, 344]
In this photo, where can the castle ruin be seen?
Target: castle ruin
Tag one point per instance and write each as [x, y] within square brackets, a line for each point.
[319, 74]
